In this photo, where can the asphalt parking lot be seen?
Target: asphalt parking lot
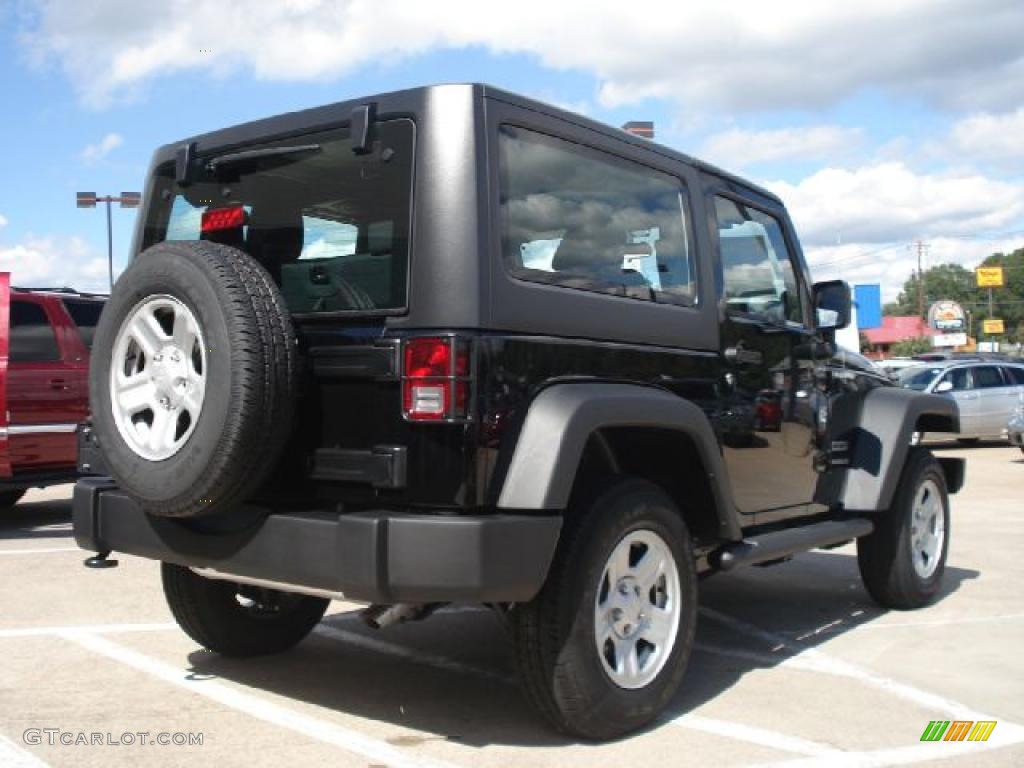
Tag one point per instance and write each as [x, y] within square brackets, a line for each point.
[794, 666]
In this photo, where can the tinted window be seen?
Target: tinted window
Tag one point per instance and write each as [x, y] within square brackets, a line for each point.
[986, 377]
[86, 315]
[958, 378]
[756, 264]
[583, 219]
[32, 336]
[1014, 374]
[331, 226]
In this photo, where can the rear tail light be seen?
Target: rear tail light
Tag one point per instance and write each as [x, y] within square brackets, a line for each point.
[435, 379]
[219, 219]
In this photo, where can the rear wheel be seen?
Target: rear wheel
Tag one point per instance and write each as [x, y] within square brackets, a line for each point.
[9, 498]
[235, 619]
[903, 560]
[603, 647]
[193, 378]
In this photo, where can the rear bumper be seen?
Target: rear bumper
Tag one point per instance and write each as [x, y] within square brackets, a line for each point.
[371, 556]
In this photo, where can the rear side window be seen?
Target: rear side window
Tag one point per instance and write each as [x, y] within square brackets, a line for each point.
[32, 336]
[987, 377]
[331, 226]
[86, 315]
[1015, 375]
[579, 218]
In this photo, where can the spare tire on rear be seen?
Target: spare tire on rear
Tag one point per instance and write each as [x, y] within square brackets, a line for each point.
[192, 381]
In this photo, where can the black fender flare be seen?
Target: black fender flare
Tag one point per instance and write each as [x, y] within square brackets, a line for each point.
[562, 418]
[879, 442]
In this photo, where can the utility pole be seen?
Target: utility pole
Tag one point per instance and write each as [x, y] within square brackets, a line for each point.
[922, 248]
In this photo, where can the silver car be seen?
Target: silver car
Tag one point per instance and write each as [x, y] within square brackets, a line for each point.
[988, 392]
[1015, 428]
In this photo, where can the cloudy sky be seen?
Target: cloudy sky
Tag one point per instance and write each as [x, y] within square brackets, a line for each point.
[878, 123]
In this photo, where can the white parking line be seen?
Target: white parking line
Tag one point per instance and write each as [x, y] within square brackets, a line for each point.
[98, 629]
[753, 735]
[321, 730]
[898, 755]
[941, 623]
[13, 756]
[813, 660]
[731, 730]
[39, 551]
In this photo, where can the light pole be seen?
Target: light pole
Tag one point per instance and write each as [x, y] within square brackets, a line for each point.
[127, 200]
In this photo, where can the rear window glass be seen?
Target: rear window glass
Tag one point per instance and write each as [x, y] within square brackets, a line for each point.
[32, 338]
[1015, 374]
[331, 226]
[86, 315]
[584, 219]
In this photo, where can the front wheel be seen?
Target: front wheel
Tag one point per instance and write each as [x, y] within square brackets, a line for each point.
[603, 648]
[903, 560]
[238, 620]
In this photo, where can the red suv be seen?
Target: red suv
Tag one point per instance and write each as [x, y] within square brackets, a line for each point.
[45, 337]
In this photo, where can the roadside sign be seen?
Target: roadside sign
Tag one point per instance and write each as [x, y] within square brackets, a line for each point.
[989, 277]
[949, 340]
[993, 326]
[947, 317]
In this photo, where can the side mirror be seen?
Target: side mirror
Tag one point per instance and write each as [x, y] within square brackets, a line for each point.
[943, 386]
[832, 304]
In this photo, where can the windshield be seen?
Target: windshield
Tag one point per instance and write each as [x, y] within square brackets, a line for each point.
[331, 226]
[919, 377]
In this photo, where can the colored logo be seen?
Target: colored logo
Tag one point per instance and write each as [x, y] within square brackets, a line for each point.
[958, 730]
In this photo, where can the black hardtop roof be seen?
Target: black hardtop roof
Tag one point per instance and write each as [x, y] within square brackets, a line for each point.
[404, 102]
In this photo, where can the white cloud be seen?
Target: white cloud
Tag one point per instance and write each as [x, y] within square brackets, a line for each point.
[738, 148]
[997, 138]
[889, 202]
[3, 221]
[740, 56]
[93, 153]
[54, 261]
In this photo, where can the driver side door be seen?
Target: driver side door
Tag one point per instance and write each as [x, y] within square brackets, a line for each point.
[767, 348]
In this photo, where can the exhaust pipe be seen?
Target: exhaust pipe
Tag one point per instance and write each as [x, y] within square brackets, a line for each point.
[379, 616]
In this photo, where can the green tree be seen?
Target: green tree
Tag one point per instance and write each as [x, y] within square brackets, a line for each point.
[1008, 301]
[911, 347]
[945, 281]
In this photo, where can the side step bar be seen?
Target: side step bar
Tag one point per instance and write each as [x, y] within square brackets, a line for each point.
[780, 544]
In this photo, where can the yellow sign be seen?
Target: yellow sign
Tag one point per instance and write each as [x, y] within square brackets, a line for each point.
[989, 277]
[993, 326]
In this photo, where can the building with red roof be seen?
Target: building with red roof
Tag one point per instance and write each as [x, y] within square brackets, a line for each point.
[895, 329]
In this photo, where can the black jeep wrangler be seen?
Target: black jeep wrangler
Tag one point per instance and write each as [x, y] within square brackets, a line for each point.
[453, 345]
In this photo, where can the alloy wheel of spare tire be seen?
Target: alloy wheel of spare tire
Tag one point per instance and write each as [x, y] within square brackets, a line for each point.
[192, 381]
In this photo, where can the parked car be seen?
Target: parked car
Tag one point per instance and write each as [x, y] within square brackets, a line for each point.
[1015, 428]
[986, 391]
[452, 344]
[47, 334]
